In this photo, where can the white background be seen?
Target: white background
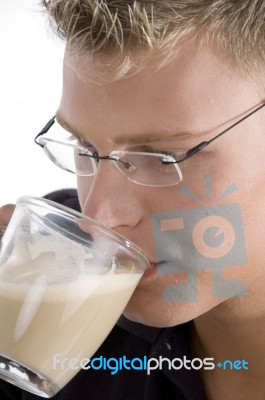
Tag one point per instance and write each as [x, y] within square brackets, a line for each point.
[30, 88]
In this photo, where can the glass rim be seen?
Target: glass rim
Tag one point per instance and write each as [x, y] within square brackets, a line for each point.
[2, 231]
[117, 237]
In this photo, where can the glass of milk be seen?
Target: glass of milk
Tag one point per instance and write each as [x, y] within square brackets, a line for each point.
[64, 281]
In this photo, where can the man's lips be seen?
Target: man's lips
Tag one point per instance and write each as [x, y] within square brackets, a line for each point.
[156, 269]
[150, 272]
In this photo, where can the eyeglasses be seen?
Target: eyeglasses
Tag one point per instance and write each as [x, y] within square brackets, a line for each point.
[143, 168]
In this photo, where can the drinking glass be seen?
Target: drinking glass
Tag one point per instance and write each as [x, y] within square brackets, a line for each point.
[64, 282]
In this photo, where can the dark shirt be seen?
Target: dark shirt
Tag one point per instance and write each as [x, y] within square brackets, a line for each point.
[132, 340]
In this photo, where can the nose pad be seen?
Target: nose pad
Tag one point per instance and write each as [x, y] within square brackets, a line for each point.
[125, 164]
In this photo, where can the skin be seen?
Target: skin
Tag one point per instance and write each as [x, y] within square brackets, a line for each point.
[200, 93]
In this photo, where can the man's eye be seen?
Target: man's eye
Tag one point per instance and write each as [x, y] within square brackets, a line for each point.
[80, 142]
[176, 154]
[71, 138]
[85, 144]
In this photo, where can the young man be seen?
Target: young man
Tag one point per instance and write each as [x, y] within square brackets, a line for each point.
[144, 83]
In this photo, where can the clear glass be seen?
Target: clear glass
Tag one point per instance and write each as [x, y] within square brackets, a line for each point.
[70, 157]
[64, 281]
[148, 169]
[2, 231]
[171, 177]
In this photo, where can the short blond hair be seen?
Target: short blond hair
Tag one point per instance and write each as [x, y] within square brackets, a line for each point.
[122, 29]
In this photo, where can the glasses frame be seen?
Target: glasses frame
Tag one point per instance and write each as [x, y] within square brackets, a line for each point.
[113, 156]
[167, 159]
[189, 153]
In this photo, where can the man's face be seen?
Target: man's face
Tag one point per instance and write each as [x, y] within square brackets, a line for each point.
[193, 99]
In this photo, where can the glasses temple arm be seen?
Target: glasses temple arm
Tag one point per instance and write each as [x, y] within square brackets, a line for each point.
[44, 130]
[201, 145]
[237, 122]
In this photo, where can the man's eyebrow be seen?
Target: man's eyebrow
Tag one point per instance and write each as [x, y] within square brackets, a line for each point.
[153, 137]
[134, 139]
[61, 121]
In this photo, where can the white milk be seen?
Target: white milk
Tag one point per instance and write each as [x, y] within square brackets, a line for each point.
[72, 319]
[58, 303]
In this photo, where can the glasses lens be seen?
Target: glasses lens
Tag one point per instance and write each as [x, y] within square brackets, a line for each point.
[148, 169]
[65, 151]
[70, 157]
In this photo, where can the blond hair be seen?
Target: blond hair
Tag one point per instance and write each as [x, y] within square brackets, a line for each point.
[121, 29]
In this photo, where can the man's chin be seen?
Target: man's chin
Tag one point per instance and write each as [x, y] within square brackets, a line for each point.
[154, 321]
[152, 310]
[157, 317]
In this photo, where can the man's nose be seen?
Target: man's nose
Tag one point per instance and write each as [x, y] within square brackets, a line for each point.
[111, 199]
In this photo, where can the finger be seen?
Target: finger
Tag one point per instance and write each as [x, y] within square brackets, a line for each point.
[6, 213]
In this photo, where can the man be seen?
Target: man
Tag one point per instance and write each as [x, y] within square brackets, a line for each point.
[145, 82]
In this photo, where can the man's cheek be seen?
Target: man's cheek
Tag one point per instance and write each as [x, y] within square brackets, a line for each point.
[200, 238]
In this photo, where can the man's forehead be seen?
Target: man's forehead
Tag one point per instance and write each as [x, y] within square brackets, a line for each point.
[101, 69]
[193, 72]
[187, 99]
